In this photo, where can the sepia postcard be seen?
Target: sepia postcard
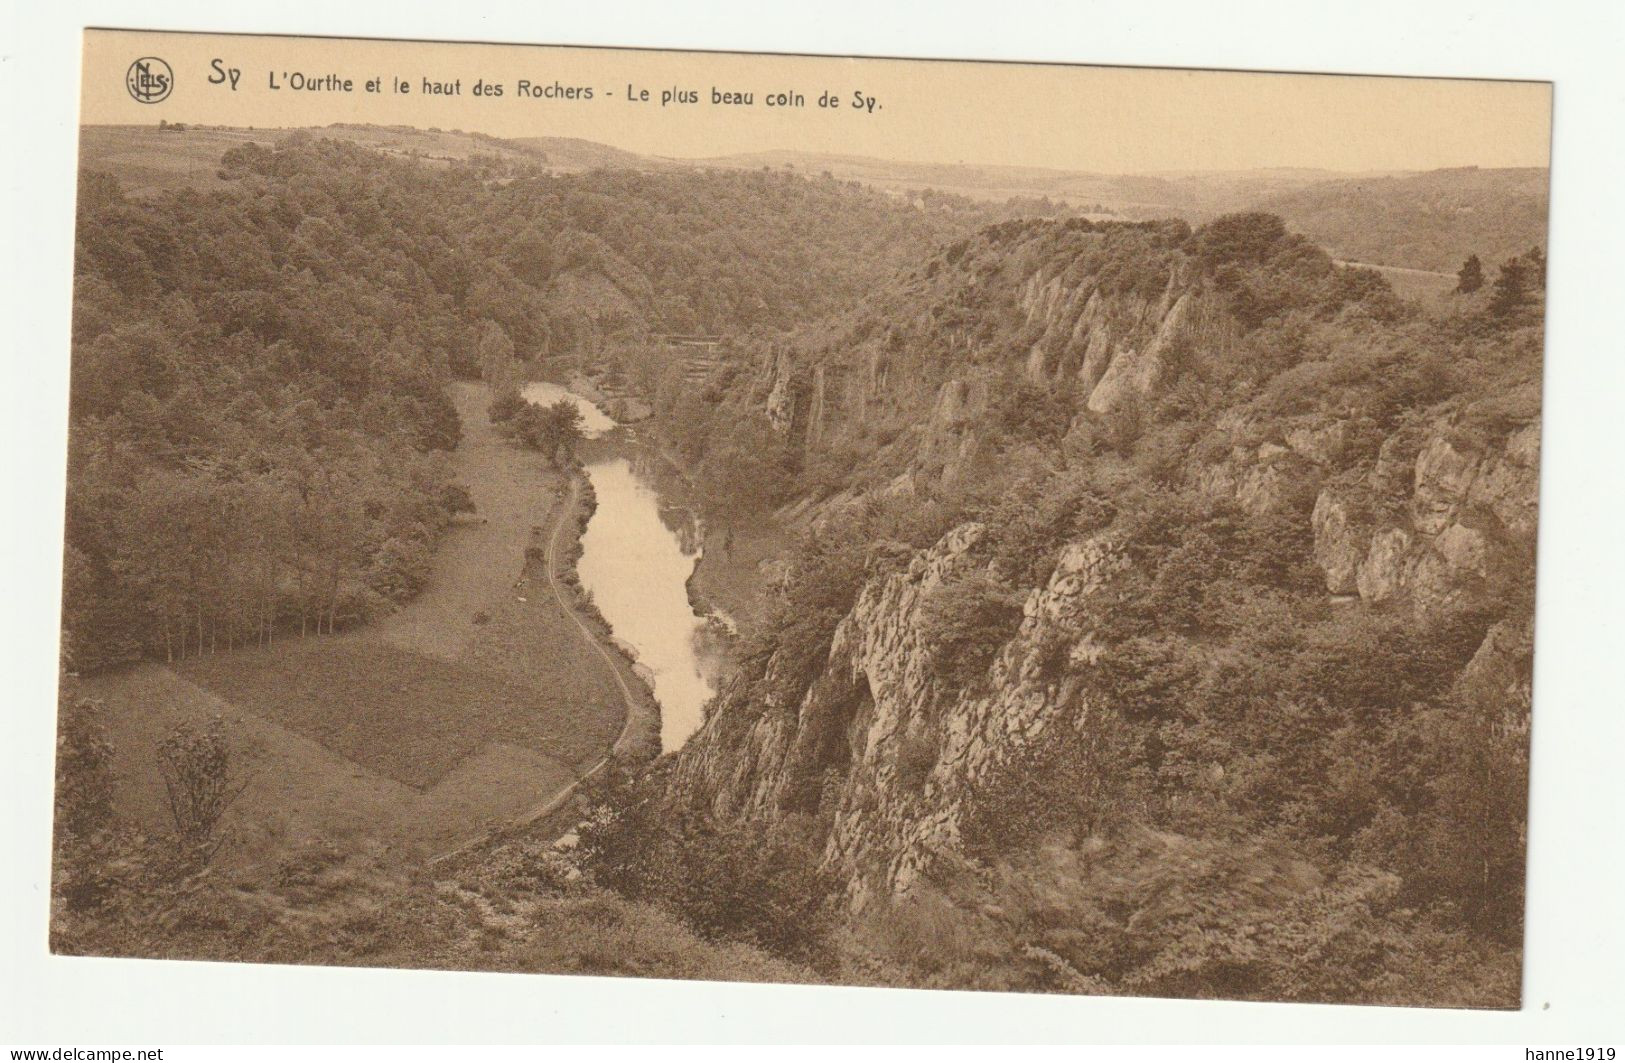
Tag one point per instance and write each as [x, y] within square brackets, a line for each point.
[801, 519]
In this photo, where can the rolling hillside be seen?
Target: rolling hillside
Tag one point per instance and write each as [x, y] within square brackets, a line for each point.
[1424, 221]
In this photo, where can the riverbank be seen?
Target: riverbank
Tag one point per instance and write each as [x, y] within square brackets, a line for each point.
[733, 576]
[637, 565]
[641, 567]
[639, 737]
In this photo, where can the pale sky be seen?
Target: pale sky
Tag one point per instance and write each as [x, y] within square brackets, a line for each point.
[1097, 119]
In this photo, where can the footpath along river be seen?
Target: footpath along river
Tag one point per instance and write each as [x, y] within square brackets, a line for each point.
[637, 554]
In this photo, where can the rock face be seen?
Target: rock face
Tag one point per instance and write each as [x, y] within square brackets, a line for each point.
[1339, 549]
[1467, 498]
[878, 754]
[1498, 680]
[786, 395]
[1436, 508]
[1110, 347]
[882, 752]
[1136, 372]
[1118, 347]
[879, 743]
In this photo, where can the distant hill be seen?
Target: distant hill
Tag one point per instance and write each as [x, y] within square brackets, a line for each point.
[1122, 194]
[1421, 221]
[572, 154]
[146, 159]
[151, 158]
[1427, 221]
[1189, 194]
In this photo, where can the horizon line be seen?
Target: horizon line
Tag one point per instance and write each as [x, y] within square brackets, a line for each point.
[696, 159]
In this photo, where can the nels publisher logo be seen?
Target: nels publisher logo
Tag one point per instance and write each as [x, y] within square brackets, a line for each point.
[149, 80]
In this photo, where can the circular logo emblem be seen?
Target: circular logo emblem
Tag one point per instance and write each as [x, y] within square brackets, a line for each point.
[149, 80]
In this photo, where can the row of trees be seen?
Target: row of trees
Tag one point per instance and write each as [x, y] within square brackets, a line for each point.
[190, 560]
[258, 399]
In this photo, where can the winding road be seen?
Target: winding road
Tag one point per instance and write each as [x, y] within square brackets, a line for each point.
[563, 513]
[562, 595]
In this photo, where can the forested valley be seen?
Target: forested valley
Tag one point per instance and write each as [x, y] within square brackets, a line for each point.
[258, 375]
[1151, 607]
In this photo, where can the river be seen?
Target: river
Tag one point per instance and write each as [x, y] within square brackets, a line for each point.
[637, 554]
[594, 422]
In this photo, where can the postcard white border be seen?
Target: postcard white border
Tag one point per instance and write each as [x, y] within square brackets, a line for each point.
[1575, 959]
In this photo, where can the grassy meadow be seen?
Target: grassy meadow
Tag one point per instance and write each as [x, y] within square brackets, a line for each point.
[472, 705]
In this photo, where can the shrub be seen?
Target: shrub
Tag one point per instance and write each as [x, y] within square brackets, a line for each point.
[730, 880]
[505, 406]
[455, 499]
[1026, 411]
[965, 621]
[1073, 780]
[201, 782]
[916, 756]
[1121, 427]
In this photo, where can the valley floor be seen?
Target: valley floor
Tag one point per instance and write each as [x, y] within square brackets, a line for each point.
[477, 702]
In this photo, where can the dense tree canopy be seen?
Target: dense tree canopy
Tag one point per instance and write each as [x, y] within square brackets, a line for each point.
[258, 374]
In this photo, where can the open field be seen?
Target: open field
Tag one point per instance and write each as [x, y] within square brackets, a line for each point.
[301, 792]
[414, 733]
[1420, 284]
[478, 565]
[147, 159]
[409, 717]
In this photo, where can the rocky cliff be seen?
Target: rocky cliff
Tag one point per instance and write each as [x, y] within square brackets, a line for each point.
[889, 751]
[1410, 504]
[881, 743]
[918, 373]
[1461, 502]
[1437, 507]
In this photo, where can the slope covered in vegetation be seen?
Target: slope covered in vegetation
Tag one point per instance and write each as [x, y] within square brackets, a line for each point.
[513, 905]
[259, 428]
[1430, 220]
[1167, 630]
